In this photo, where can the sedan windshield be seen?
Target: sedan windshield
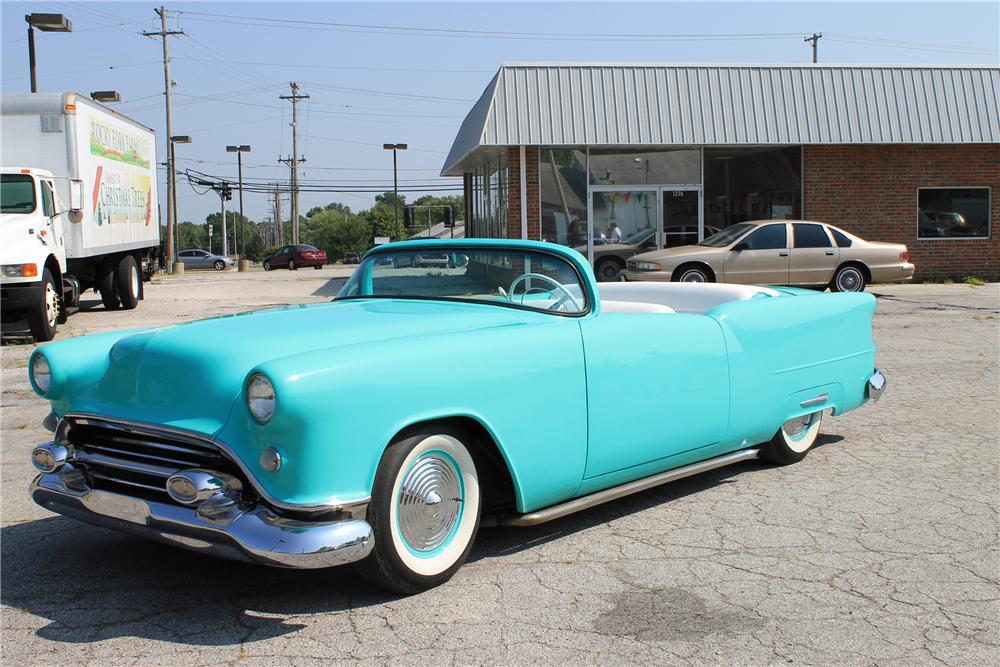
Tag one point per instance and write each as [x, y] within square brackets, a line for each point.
[17, 193]
[727, 235]
[506, 277]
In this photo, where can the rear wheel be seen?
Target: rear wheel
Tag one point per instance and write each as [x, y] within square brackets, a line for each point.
[291, 265]
[424, 511]
[129, 282]
[793, 440]
[107, 286]
[43, 318]
[849, 278]
[318, 267]
[609, 270]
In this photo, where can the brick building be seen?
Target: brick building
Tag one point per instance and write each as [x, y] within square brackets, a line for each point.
[669, 154]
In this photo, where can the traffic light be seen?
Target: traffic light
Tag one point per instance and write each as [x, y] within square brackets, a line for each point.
[408, 216]
[449, 221]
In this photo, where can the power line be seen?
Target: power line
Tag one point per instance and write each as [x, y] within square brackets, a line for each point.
[353, 67]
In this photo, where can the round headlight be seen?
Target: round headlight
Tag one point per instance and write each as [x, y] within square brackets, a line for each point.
[40, 373]
[260, 398]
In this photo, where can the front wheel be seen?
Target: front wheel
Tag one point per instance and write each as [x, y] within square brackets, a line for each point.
[693, 274]
[793, 440]
[424, 512]
[267, 266]
[220, 265]
[848, 278]
[43, 318]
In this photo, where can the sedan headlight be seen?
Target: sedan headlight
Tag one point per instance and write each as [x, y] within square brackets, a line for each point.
[260, 398]
[648, 266]
[41, 376]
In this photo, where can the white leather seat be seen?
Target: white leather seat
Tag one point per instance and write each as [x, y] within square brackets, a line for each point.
[681, 297]
[633, 307]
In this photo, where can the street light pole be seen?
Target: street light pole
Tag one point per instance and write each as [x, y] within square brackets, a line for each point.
[395, 181]
[45, 23]
[244, 264]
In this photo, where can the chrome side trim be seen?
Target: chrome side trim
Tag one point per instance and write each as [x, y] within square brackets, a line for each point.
[355, 506]
[815, 401]
[255, 534]
[615, 492]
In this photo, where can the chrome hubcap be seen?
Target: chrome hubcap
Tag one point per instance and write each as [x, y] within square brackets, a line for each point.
[430, 503]
[849, 280]
[794, 428]
[693, 277]
[135, 281]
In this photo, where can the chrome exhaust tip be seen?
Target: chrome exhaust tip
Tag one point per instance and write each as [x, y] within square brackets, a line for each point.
[876, 385]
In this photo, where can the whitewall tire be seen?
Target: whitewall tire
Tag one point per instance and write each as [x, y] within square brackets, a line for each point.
[424, 511]
[794, 439]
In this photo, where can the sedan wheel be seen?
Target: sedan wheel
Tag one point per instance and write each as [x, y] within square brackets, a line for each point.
[793, 440]
[291, 265]
[608, 271]
[848, 279]
[693, 275]
[267, 265]
[220, 265]
[424, 512]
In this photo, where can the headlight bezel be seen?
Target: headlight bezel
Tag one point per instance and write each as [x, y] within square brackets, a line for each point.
[261, 398]
[41, 380]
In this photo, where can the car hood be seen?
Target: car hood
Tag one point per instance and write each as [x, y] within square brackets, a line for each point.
[190, 375]
[673, 255]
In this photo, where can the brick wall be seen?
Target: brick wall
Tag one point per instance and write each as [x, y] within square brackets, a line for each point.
[872, 192]
[514, 192]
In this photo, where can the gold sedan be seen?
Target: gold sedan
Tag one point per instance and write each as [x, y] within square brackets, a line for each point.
[778, 252]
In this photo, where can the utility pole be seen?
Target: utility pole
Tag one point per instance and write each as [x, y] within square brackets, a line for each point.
[294, 161]
[279, 232]
[814, 40]
[171, 174]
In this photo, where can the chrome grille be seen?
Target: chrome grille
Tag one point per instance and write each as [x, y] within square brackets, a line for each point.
[137, 461]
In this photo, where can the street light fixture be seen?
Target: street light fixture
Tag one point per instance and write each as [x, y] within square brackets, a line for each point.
[395, 181]
[45, 23]
[240, 150]
[106, 96]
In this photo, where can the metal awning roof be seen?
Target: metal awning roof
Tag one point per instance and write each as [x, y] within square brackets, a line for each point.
[553, 104]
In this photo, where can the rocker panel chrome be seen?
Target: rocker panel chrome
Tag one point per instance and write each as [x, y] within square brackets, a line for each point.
[255, 535]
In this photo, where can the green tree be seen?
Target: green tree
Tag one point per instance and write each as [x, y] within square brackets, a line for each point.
[389, 197]
[383, 222]
[191, 235]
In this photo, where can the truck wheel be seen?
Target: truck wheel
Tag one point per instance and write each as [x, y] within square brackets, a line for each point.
[43, 319]
[129, 282]
[424, 511]
[107, 287]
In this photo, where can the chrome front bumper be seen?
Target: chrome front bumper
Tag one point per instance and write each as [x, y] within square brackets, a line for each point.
[256, 534]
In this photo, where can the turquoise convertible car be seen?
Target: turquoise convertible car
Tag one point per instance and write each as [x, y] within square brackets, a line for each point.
[499, 384]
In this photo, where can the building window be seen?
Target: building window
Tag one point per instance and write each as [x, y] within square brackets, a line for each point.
[751, 184]
[638, 166]
[488, 201]
[953, 213]
[563, 182]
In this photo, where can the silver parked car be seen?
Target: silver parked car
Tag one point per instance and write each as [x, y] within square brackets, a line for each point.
[203, 259]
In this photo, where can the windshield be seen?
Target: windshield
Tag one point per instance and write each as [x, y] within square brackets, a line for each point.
[17, 193]
[506, 277]
[727, 235]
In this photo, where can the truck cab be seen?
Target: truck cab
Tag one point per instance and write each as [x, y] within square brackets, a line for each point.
[32, 250]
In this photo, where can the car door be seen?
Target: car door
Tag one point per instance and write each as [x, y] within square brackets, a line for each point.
[813, 257]
[186, 258]
[760, 258]
[201, 259]
[657, 389]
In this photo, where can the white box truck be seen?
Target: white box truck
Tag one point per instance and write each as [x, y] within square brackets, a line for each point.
[78, 207]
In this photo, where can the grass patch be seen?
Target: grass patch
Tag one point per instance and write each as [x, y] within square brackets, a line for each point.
[974, 280]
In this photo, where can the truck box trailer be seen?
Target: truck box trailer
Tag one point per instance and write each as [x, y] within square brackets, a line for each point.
[79, 207]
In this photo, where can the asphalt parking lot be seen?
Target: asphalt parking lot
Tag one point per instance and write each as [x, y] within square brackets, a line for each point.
[881, 547]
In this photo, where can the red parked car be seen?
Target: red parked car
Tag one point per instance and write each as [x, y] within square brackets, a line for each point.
[295, 255]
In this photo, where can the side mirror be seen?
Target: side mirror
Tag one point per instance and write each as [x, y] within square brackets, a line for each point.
[740, 246]
[75, 216]
[75, 201]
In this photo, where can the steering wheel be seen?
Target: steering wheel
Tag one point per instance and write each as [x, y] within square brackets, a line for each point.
[566, 294]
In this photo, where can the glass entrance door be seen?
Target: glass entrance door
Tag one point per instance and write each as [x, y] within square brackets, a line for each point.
[623, 223]
[681, 213]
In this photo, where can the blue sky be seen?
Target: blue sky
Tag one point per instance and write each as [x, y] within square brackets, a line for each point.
[370, 85]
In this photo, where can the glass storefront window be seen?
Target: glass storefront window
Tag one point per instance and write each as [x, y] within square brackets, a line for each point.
[563, 182]
[953, 213]
[751, 184]
[624, 225]
[488, 200]
[639, 166]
